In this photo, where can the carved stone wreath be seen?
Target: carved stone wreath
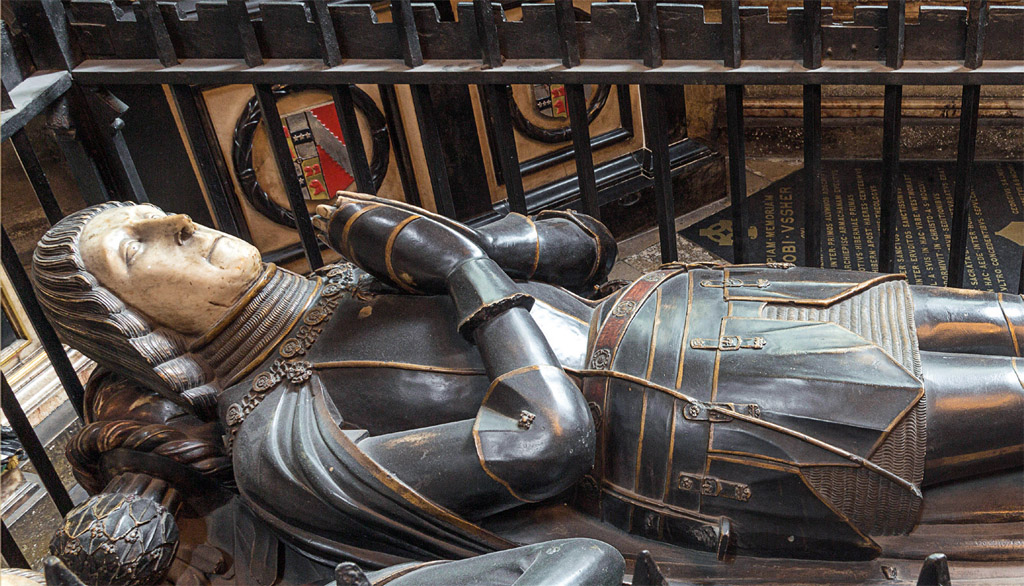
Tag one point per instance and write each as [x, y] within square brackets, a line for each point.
[245, 132]
[554, 135]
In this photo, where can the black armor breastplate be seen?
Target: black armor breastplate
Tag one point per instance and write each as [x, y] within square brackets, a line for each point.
[778, 408]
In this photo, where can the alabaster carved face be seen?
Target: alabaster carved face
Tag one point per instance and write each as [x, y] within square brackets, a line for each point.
[181, 275]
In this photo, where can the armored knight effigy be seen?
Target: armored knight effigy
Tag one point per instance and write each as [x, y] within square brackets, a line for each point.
[453, 392]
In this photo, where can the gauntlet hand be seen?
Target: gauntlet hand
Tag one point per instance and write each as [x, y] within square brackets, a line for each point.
[405, 246]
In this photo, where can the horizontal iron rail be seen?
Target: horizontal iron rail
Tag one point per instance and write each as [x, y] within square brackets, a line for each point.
[544, 31]
[30, 98]
[312, 71]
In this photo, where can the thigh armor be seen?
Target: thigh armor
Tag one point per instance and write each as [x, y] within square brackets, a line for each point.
[774, 408]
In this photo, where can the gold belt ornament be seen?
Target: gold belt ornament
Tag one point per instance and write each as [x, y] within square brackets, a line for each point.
[710, 486]
[727, 343]
[760, 283]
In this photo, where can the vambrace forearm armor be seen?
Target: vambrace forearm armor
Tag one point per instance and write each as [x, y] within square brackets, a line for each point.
[563, 248]
[533, 433]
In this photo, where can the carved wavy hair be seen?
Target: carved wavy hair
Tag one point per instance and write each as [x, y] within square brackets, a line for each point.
[94, 321]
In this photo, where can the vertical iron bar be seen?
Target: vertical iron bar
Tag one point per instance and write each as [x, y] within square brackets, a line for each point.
[888, 219]
[962, 188]
[583, 152]
[732, 45]
[13, 555]
[342, 97]
[896, 33]
[737, 170]
[36, 176]
[396, 131]
[977, 14]
[153, 20]
[733, 57]
[246, 34]
[437, 166]
[327, 36]
[81, 164]
[656, 136]
[35, 450]
[656, 129]
[345, 108]
[505, 144]
[565, 21]
[650, 38]
[812, 175]
[286, 168]
[498, 116]
[892, 124]
[125, 164]
[412, 55]
[47, 336]
[408, 38]
[970, 98]
[226, 209]
[812, 136]
[812, 34]
[104, 112]
[487, 33]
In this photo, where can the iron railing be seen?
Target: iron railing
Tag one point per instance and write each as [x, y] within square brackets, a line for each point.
[79, 46]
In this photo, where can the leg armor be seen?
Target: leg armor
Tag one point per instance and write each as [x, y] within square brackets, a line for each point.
[966, 321]
[975, 415]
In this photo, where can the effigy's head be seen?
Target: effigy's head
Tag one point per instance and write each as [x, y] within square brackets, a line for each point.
[129, 285]
[181, 275]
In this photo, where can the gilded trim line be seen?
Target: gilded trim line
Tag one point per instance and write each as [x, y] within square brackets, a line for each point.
[399, 366]
[536, 252]
[1009, 326]
[389, 249]
[845, 294]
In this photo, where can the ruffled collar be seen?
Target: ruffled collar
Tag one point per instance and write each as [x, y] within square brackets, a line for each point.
[246, 335]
